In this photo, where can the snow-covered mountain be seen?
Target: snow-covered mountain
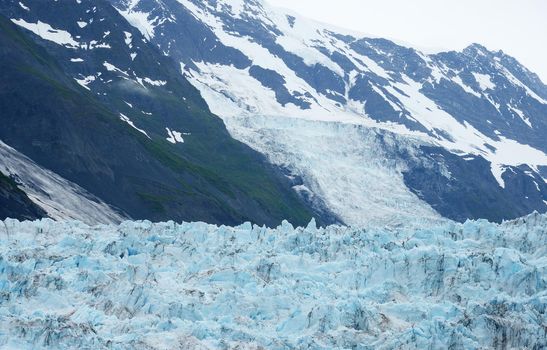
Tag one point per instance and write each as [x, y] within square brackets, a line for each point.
[356, 116]
[86, 97]
[364, 130]
[196, 286]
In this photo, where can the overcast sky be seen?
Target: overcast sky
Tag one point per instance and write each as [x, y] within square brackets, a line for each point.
[518, 27]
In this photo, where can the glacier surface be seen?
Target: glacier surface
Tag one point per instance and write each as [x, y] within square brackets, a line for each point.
[366, 187]
[141, 285]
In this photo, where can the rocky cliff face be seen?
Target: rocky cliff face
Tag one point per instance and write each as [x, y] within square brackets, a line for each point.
[14, 203]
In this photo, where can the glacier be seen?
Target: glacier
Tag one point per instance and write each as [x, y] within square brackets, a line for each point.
[143, 285]
[366, 187]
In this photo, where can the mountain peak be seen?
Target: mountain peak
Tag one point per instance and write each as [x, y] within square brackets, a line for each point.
[477, 49]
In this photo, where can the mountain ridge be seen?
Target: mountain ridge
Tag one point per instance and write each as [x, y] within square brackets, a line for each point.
[390, 113]
[208, 176]
[257, 61]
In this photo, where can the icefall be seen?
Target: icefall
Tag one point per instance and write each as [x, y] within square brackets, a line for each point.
[141, 285]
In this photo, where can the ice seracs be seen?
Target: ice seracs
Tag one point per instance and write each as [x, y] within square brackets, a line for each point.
[197, 286]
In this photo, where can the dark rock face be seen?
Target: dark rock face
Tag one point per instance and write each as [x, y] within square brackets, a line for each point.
[271, 79]
[468, 190]
[15, 204]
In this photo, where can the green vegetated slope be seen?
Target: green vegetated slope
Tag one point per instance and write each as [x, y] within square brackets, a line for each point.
[78, 134]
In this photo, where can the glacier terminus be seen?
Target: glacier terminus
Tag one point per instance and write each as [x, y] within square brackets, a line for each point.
[141, 285]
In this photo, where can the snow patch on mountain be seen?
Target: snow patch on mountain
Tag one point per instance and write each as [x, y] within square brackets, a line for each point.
[463, 137]
[128, 39]
[514, 80]
[85, 81]
[46, 32]
[126, 119]
[112, 68]
[484, 81]
[26, 8]
[497, 171]
[232, 92]
[521, 115]
[154, 82]
[254, 51]
[300, 36]
[458, 80]
[139, 20]
[174, 137]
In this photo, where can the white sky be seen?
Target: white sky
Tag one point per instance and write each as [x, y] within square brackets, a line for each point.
[518, 27]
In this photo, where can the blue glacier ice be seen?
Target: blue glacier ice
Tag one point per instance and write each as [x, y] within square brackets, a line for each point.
[140, 285]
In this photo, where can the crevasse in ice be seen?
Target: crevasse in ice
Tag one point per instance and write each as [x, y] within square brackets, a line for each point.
[197, 286]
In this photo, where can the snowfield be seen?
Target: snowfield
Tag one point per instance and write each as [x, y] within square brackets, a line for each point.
[140, 285]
